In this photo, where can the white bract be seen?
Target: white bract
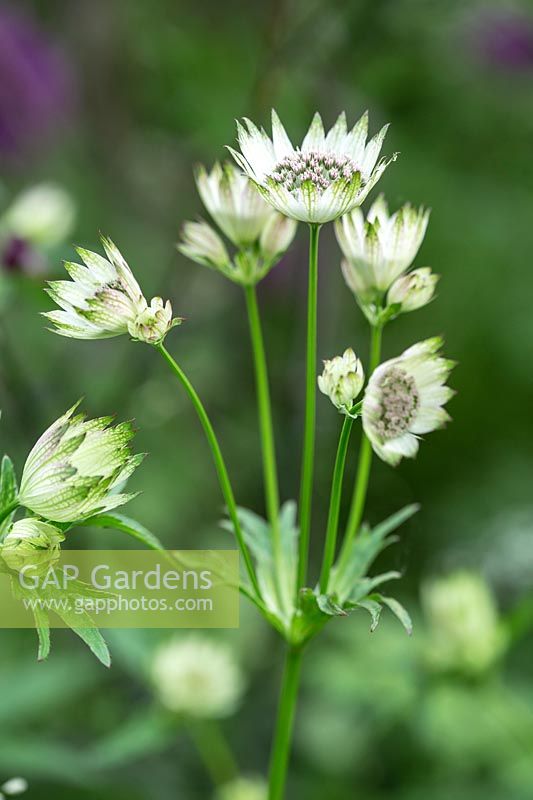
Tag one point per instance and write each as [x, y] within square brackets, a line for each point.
[31, 540]
[197, 676]
[260, 234]
[381, 248]
[75, 468]
[404, 399]
[342, 379]
[153, 324]
[102, 300]
[243, 789]
[464, 629]
[327, 176]
[233, 202]
[414, 290]
[43, 215]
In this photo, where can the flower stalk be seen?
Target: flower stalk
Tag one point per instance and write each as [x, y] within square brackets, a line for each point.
[306, 486]
[335, 504]
[365, 459]
[284, 725]
[222, 472]
[266, 428]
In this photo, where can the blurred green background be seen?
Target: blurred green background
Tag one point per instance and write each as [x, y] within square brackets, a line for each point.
[116, 102]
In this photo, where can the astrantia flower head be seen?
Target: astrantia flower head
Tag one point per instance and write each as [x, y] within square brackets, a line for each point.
[233, 202]
[153, 324]
[379, 249]
[342, 379]
[414, 290]
[405, 398]
[76, 466]
[329, 175]
[465, 632]
[12, 787]
[102, 300]
[197, 676]
[30, 541]
[259, 233]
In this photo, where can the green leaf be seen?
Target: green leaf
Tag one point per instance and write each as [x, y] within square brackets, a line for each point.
[42, 625]
[365, 549]
[329, 606]
[127, 525]
[398, 610]
[365, 586]
[96, 644]
[8, 491]
[374, 609]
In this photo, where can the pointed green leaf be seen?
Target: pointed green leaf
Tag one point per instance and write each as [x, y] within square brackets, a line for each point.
[399, 611]
[127, 525]
[96, 644]
[366, 585]
[373, 608]
[329, 606]
[42, 625]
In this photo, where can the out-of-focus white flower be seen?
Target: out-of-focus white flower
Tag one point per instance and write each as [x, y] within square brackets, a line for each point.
[379, 249]
[75, 467]
[243, 789]
[342, 380]
[153, 324]
[201, 243]
[414, 290]
[325, 178]
[43, 215]
[276, 236]
[405, 398]
[102, 300]
[31, 540]
[197, 676]
[13, 786]
[233, 202]
[465, 633]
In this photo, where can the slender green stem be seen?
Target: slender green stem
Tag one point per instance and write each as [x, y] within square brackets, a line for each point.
[265, 424]
[214, 750]
[335, 504]
[220, 465]
[365, 460]
[306, 487]
[5, 512]
[284, 725]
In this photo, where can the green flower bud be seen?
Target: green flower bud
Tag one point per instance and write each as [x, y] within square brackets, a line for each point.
[342, 380]
[31, 541]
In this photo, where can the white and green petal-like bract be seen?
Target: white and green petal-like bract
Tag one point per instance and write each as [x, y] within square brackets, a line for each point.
[413, 290]
[404, 399]
[76, 468]
[328, 176]
[342, 380]
[31, 540]
[102, 300]
[233, 202]
[380, 248]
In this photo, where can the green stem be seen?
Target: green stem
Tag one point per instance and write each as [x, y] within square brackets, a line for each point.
[306, 488]
[214, 751]
[285, 720]
[5, 512]
[220, 465]
[365, 460]
[265, 425]
[335, 504]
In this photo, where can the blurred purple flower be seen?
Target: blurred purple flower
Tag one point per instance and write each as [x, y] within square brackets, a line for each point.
[505, 39]
[34, 86]
[19, 256]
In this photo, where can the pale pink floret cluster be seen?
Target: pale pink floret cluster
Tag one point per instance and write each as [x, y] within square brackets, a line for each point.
[326, 177]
